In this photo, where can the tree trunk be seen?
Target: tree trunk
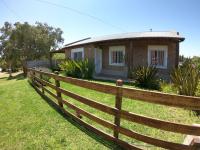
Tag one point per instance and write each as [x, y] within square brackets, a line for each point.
[50, 60]
[24, 66]
[10, 70]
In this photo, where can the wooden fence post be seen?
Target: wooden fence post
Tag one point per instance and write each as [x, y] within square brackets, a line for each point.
[192, 140]
[118, 105]
[41, 83]
[57, 82]
[33, 76]
[30, 75]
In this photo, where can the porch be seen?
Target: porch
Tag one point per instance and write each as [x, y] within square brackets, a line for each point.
[110, 62]
[111, 75]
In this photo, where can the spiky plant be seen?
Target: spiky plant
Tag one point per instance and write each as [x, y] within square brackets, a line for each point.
[78, 69]
[146, 77]
[70, 68]
[86, 68]
[186, 78]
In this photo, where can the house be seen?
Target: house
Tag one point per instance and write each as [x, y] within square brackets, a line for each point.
[116, 55]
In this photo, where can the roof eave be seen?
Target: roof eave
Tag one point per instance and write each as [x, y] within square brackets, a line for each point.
[180, 39]
[62, 50]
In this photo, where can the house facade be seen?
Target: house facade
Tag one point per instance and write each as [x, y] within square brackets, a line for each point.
[118, 55]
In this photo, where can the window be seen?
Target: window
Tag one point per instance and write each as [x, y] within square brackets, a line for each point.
[116, 55]
[157, 56]
[77, 54]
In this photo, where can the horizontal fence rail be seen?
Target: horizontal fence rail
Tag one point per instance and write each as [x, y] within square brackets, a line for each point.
[142, 95]
[163, 98]
[117, 112]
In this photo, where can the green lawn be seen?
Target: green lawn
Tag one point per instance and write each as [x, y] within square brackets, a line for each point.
[28, 122]
[172, 114]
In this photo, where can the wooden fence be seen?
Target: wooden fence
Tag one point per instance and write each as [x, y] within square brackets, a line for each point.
[43, 63]
[117, 112]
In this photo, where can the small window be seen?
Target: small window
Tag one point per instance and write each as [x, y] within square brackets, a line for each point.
[77, 54]
[116, 55]
[157, 56]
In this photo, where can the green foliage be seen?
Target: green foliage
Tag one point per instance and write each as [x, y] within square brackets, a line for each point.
[196, 61]
[86, 68]
[78, 69]
[182, 58]
[186, 78]
[21, 42]
[8, 50]
[145, 77]
[43, 76]
[46, 78]
[70, 69]
[3, 64]
[58, 56]
[198, 90]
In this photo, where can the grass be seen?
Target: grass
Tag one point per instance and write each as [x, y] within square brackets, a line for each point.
[172, 114]
[28, 122]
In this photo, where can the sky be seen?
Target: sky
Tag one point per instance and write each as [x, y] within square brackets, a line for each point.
[89, 18]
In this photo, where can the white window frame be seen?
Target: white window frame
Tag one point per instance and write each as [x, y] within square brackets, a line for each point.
[81, 49]
[158, 48]
[116, 48]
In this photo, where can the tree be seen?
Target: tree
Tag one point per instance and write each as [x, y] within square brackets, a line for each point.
[8, 50]
[182, 58]
[22, 42]
[36, 41]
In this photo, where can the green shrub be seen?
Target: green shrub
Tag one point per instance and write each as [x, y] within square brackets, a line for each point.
[70, 68]
[46, 78]
[86, 68]
[186, 78]
[78, 69]
[198, 90]
[196, 60]
[43, 76]
[146, 77]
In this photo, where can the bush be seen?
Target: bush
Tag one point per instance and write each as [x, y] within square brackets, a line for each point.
[78, 69]
[70, 69]
[196, 61]
[43, 76]
[146, 77]
[86, 68]
[46, 78]
[198, 90]
[186, 78]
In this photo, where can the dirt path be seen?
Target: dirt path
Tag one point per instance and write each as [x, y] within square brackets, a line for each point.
[6, 74]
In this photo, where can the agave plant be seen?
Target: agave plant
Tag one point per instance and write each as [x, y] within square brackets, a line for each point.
[146, 77]
[78, 69]
[186, 78]
[70, 68]
[86, 68]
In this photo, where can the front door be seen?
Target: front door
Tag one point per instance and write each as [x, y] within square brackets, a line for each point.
[98, 60]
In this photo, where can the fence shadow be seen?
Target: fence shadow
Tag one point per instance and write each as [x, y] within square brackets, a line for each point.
[3, 77]
[96, 137]
[17, 77]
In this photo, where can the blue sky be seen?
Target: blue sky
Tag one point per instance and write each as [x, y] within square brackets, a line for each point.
[84, 18]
